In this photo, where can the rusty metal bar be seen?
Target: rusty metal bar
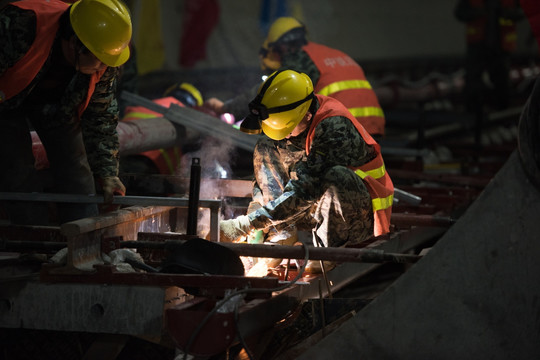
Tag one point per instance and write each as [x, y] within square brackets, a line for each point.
[440, 178]
[213, 205]
[98, 199]
[196, 120]
[402, 219]
[169, 241]
[86, 226]
[255, 250]
[169, 184]
[107, 274]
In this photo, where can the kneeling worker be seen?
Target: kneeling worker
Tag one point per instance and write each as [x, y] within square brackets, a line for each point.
[316, 169]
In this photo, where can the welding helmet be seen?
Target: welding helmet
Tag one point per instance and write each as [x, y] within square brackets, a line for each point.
[281, 103]
[104, 27]
[188, 94]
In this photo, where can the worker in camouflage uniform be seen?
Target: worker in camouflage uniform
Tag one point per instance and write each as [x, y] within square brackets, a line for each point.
[332, 72]
[317, 169]
[58, 70]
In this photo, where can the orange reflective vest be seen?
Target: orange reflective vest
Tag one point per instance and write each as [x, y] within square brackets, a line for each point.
[20, 75]
[476, 29]
[343, 79]
[167, 160]
[373, 173]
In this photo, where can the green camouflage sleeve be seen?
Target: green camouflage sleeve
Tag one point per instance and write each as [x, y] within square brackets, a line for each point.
[99, 123]
[17, 32]
[336, 142]
[301, 62]
[238, 106]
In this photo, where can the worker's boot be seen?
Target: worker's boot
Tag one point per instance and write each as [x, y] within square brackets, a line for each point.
[288, 236]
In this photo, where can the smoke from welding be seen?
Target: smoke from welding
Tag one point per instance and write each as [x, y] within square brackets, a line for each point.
[216, 158]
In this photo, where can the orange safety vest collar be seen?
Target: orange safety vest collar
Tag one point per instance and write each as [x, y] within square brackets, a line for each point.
[373, 173]
[19, 76]
[343, 79]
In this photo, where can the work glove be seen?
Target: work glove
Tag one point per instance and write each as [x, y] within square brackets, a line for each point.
[111, 186]
[234, 229]
[255, 236]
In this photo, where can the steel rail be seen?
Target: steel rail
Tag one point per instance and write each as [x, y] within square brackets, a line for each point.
[98, 199]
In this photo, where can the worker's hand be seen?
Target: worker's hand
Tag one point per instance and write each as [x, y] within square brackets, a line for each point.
[234, 229]
[214, 104]
[111, 186]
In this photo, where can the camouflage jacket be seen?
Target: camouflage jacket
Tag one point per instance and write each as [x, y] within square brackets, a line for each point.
[98, 122]
[336, 142]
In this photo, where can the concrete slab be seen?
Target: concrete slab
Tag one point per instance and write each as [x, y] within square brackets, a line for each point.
[475, 295]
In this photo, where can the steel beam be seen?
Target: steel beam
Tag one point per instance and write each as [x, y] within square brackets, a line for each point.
[281, 251]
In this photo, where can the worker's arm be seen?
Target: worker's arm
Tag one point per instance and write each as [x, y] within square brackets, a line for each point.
[99, 123]
[336, 142]
[17, 32]
[238, 106]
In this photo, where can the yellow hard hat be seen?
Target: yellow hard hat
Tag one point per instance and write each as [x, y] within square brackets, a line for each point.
[185, 92]
[282, 26]
[104, 27]
[282, 102]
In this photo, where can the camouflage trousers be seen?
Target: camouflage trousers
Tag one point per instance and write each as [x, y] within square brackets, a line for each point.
[341, 215]
[68, 167]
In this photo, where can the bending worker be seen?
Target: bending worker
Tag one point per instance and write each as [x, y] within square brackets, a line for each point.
[317, 169]
[58, 72]
[332, 72]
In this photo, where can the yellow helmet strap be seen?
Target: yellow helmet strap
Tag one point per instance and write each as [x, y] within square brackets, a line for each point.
[288, 107]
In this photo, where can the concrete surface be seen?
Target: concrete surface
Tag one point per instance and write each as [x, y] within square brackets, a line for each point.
[475, 295]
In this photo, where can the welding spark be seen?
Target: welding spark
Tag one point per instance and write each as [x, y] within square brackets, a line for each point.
[228, 118]
[220, 170]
